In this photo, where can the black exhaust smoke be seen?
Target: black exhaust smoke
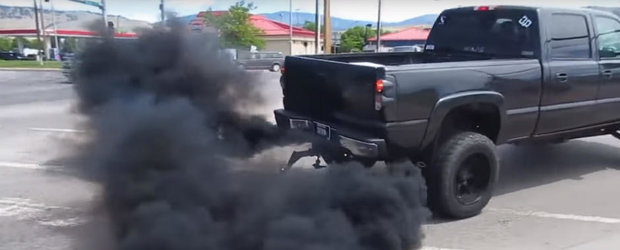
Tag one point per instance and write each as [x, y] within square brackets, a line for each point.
[170, 142]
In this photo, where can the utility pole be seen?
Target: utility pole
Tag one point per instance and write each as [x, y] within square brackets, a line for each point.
[42, 12]
[317, 34]
[290, 26]
[379, 29]
[36, 19]
[328, 27]
[163, 12]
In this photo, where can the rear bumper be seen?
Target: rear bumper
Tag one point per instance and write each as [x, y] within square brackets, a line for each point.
[396, 139]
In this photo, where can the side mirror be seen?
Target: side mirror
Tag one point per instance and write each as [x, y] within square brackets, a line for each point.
[609, 52]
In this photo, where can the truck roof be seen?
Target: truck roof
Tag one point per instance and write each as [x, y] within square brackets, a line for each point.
[539, 8]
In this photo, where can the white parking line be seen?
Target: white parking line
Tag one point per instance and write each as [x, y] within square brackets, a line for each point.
[573, 217]
[57, 130]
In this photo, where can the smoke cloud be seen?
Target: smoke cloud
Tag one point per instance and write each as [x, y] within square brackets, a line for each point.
[170, 141]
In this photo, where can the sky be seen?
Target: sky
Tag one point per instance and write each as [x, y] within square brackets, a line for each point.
[393, 10]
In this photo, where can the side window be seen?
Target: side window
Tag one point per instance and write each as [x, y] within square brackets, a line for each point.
[609, 37]
[570, 37]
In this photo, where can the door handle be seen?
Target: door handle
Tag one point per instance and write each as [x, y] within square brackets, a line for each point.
[608, 74]
[562, 77]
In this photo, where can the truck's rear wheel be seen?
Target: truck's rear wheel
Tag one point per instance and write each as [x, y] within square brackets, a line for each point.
[463, 175]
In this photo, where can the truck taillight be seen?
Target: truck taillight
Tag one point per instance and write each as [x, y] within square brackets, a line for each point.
[379, 85]
[282, 70]
[385, 92]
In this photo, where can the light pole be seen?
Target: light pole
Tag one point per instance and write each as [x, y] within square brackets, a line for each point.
[57, 49]
[367, 27]
[104, 11]
[36, 19]
[290, 26]
[317, 35]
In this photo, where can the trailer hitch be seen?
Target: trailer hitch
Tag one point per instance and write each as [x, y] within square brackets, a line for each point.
[297, 155]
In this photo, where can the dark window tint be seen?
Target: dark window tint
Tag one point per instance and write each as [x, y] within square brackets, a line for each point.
[566, 26]
[609, 37]
[570, 37]
[499, 32]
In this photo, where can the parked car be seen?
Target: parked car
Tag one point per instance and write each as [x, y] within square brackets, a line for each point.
[12, 56]
[263, 60]
[488, 76]
[412, 48]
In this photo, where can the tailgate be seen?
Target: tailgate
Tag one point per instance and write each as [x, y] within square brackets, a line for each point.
[328, 89]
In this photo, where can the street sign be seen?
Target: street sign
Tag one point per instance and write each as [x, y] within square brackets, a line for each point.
[89, 2]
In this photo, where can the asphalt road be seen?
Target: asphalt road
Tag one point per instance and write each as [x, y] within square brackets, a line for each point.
[549, 197]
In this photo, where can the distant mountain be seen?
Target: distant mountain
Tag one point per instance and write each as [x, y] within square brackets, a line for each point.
[299, 18]
[12, 17]
[425, 19]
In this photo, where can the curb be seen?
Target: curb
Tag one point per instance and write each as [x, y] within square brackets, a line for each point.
[31, 69]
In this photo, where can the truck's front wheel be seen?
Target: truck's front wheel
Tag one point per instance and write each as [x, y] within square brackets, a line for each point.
[463, 175]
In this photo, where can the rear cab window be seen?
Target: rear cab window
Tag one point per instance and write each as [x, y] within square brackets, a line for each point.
[498, 31]
[570, 36]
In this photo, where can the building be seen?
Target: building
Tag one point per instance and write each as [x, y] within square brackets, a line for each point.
[414, 36]
[276, 34]
[48, 37]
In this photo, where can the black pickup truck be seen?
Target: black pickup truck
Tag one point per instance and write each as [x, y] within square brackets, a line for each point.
[489, 75]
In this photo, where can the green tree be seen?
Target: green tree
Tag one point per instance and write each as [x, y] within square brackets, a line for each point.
[6, 44]
[354, 39]
[34, 44]
[31, 44]
[235, 28]
[312, 26]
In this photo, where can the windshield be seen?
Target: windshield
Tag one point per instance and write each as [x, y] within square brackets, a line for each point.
[501, 32]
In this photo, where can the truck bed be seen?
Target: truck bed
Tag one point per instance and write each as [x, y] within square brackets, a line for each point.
[395, 58]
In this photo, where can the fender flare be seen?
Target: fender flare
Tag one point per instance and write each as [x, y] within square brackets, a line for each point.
[448, 103]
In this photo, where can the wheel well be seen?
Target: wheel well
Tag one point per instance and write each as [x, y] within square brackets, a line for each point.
[483, 118]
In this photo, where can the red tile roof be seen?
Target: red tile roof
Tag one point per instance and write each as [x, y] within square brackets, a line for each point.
[405, 35]
[268, 26]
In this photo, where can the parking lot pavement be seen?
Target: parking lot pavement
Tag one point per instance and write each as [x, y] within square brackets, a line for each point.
[549, 197]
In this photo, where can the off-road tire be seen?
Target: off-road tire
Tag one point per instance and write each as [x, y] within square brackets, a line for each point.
[447, 181]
